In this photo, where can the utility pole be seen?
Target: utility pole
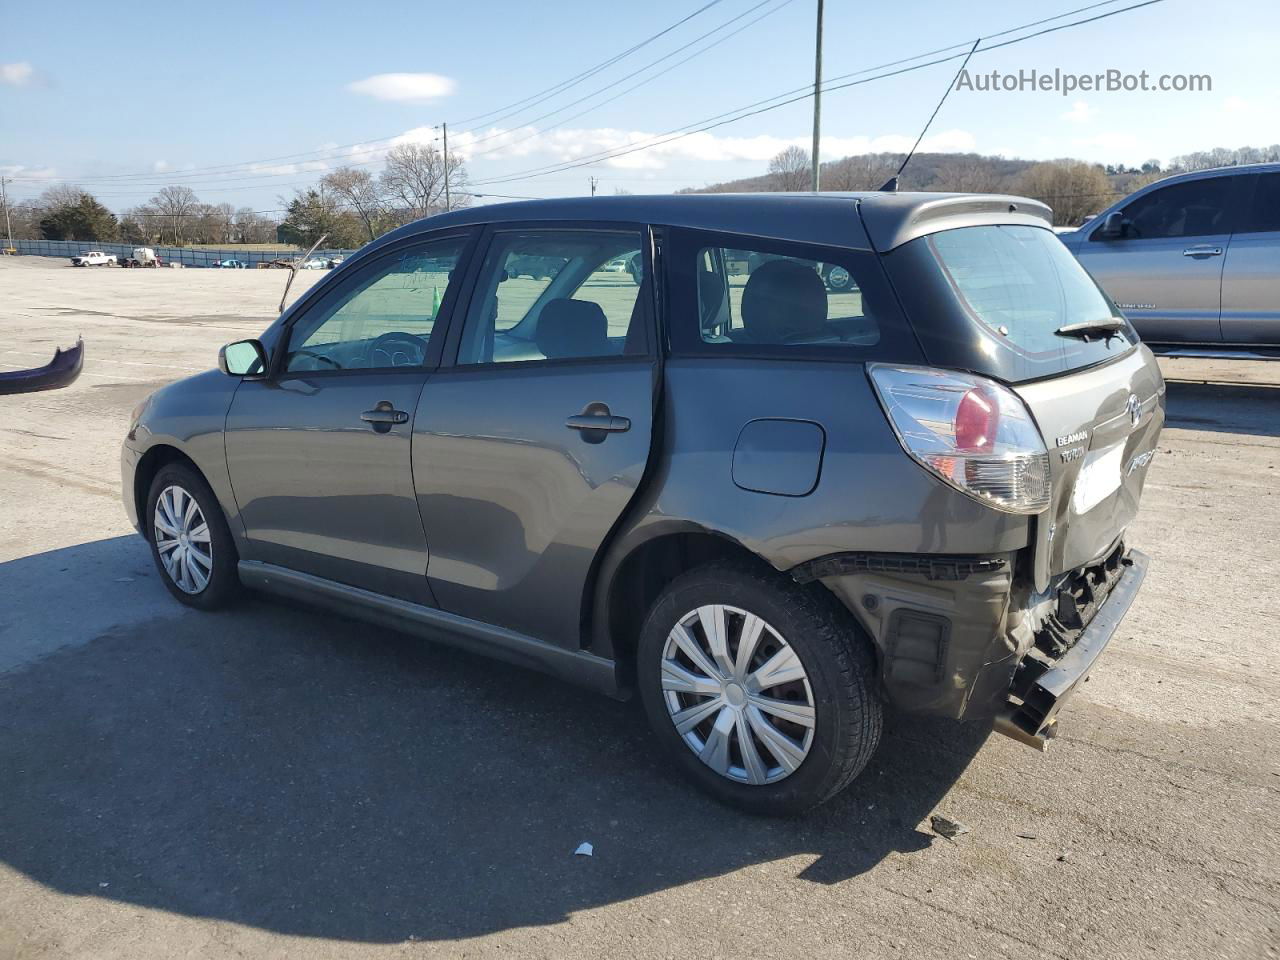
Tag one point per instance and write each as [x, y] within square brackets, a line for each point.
[594, 182]
[448, 204]
[8, 231]
[817, 99]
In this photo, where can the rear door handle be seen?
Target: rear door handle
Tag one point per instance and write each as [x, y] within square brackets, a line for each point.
[1202, 252]
[384, 416]
[597, 421]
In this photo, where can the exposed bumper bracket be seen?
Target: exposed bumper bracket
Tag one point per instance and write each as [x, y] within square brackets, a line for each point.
[1046, 694]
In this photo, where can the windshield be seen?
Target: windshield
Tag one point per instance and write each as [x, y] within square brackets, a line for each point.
[1021, 286]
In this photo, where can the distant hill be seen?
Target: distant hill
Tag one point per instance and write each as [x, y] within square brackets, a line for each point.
[1074, 189]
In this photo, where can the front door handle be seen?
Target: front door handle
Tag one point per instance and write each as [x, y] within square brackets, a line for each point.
[598, 421]
[384, 416]
[1202, 252]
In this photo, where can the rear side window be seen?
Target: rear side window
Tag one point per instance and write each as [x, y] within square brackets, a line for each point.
[1263, 213]
[558, 295]
[763, 297]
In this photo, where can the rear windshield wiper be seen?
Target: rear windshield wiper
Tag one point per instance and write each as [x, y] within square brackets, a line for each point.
[1108, 328]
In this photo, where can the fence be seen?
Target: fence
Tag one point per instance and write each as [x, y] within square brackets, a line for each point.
[187, 256]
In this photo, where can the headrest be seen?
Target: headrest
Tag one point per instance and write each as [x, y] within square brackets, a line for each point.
[572, 328]
[784, 300]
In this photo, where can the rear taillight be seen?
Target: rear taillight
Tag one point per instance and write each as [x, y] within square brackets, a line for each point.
[971, 432]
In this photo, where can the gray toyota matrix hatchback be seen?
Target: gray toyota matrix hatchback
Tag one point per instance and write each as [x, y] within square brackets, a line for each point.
[815, 454]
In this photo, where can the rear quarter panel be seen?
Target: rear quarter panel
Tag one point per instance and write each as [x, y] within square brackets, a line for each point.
[869, 496]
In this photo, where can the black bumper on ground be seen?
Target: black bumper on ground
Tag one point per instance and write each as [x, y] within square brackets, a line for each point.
[1037, 698]
[61, 371]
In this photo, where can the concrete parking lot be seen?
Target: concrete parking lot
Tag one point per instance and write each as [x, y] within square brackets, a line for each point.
[276, 782]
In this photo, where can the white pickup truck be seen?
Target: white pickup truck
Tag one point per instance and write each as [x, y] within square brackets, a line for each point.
[94, 258]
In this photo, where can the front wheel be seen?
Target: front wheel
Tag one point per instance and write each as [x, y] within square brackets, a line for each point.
[190, 541]
[761, 690]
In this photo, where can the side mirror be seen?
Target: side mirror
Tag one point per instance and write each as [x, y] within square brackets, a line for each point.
[244, 358]
[1114, 226]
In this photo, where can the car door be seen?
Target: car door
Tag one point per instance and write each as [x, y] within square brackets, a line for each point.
[319, 450]
[528, 447]
[1251, 274]
[1165, 270]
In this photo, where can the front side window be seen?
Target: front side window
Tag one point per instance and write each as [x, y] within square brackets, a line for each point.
[1196, 208]
[558, 295]
[769, 296]
[384, 320]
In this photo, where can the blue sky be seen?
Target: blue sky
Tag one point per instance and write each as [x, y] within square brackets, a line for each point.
[123, 105]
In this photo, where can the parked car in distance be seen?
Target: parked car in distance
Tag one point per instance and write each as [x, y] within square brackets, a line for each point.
[142, 257]
[767, 508]
[94, 258]
[1194, 260]
[231, 264]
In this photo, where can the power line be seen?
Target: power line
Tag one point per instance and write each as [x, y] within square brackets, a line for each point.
[635, 86]
[635, 73]
[540, 97]
[751, 110]
[328, 152]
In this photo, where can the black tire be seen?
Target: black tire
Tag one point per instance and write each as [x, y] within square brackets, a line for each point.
[223, 584]
[835, 656]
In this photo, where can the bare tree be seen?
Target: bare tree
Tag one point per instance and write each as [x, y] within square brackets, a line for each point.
[1073, 188]
[414, 179]
[176, 204]
[252, 227]
[359, 192]
[791, 169]
[971, 176]
[60, 195]
[863, 172]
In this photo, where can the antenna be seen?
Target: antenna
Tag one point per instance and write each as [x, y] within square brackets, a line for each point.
[293, 269]
[891, 185]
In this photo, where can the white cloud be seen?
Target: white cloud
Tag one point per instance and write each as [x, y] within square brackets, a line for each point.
[1111, 144]
[1236, 105]
[161, 166]
[566, 145]
[32, 173]
[404, 86]
[16, 74]
[288, 169]
[1080, 112]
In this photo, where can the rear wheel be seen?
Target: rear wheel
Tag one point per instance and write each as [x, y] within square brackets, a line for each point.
[759, 689]
[190, 541]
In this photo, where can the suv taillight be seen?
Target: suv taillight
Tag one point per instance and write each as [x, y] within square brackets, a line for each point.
[972, 433]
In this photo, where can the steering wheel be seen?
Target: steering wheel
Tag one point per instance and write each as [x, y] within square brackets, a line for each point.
[387, 343]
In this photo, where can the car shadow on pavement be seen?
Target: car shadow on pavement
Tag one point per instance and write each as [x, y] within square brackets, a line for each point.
[1239, 408]
[309, 775]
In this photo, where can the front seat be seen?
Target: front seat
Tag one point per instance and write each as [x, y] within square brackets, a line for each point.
[784, 302]
[572, 328]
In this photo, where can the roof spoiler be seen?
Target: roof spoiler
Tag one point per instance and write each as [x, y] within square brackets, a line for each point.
[892, 219]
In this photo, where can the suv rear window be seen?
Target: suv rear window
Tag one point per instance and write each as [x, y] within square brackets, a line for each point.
[1020, 285]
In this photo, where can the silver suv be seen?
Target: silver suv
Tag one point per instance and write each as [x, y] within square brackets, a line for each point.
[766, 502]
[1194, 260]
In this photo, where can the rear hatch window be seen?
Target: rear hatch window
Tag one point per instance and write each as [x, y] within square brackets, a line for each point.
[993, 299]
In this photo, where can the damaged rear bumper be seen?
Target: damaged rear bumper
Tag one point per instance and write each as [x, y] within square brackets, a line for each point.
[1040, 688]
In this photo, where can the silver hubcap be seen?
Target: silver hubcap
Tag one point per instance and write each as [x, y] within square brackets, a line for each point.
[738, 694]
[182, 539]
